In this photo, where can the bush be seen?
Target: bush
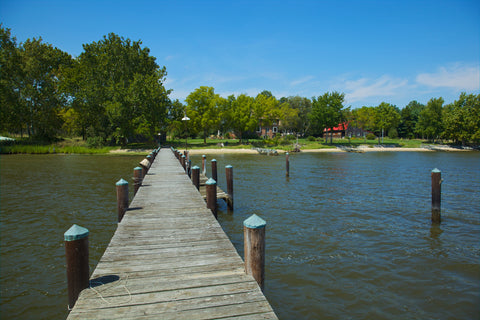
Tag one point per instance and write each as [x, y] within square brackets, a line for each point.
[311, 138]
[371, 136]
[95, 142]
[393, 133]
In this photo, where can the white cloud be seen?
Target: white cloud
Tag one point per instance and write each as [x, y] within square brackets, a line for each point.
[357, 90]
[301, 81]
[458, 77]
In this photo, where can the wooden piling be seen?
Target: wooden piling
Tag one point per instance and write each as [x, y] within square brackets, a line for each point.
[214, 170]
[229, 177]
[149, 158]
[211, 188]
[436, 195]
[184, 165]
[287, 164]
[76, 254]
[204, 164]
[122, 198]
[254, 248]
[145, 164]
[196, 177]
[189, 168]
[137, 178]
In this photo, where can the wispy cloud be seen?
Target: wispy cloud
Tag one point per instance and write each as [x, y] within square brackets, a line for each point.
[301, 81]
[357, 90]
[457, 76]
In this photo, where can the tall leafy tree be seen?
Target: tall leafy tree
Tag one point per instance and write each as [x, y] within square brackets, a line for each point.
[430, 123]
[203, 110]
[409, 118]
[11, 107]
[461, 120]
[117, 87]
[386, 118]
[39, 87]
[303, 107]
[327, 111]
[240, 114]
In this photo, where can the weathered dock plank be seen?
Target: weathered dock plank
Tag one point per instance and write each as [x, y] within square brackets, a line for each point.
[170, 259]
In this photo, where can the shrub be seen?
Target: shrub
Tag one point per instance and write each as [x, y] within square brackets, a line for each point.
[371, 136]
[95, 142]
[311, 138]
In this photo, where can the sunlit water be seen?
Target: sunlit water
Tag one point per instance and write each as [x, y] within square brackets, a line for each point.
[348, 235]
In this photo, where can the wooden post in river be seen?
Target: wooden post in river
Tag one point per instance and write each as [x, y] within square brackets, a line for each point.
[254, 248]
[211, 188]
[204, 164]
[229, 177]
[76, 253]
[287, 164]
[436, 195]
[214, 170]
[183, 163]
[137, 178]
[196, 177]
[122, 198]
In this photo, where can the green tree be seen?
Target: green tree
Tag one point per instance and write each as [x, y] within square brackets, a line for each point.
[265, 109]
[240, 114]
[117, 88]
[303, 107]
[41, 73]
[386, 118]
[364, 118]
[409, 118]
[11, 108]
[461, 120]
[430, 119]
[327, 112]
[203, 110]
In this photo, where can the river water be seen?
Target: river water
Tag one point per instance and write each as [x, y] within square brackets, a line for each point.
[348, 235]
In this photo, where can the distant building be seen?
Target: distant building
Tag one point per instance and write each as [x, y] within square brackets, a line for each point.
[344, 129]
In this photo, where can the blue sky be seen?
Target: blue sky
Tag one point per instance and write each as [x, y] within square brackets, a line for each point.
[373, 51]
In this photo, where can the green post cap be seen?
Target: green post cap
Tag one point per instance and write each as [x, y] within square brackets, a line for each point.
[204, 156]
[228, 166]
[195, 168]
[288, 153]
[254, 222]
[149, 157]
[121, 182]
[137, 168]
[214, 160]
[211, 181]
[75, 233]
[436, 171]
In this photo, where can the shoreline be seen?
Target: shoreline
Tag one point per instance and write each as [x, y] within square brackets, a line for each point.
[360, 149]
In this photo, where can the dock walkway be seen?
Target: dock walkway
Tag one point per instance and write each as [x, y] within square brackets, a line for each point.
[170, 259]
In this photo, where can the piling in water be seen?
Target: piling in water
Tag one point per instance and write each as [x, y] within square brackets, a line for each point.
[214, 170]
[229, 177]
[254, 248]
[137, 178]
[76, 254]
[436, 195]
[196, 177]
[211, 188]
[183, 163]
[287, 164]
[204, 164]
[122, 198]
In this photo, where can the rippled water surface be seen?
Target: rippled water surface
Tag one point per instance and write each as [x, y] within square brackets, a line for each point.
[348, 235]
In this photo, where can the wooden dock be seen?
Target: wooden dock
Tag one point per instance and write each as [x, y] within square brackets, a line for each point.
[170, 259]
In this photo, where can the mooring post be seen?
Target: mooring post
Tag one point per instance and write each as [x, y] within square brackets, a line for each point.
[229, 177]
[76, 254]
[196, 177]
[436, 195]
[254, 248]
[211, 188]
[184, 165]
[287, 164]
[145, 164]
[204, 164]
[214, 170]
[189, 168]
[122, 198]
[150, 159]
[137, 178]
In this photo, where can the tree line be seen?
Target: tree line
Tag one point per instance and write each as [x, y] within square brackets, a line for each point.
[114, 93]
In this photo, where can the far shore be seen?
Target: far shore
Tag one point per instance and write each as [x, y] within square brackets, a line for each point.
[359, 149]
